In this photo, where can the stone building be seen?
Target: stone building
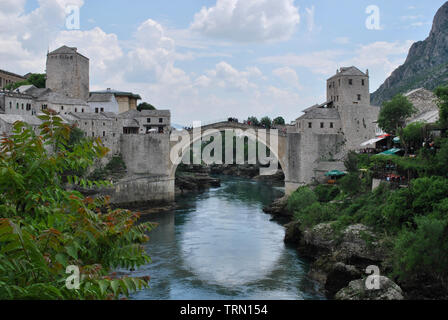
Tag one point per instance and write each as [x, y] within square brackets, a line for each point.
[46, 99]
[329, 130]
[12, 102]
[68, 73]
[7, 78]
[126, 100]
[7, 122]
[146, 121]
[103, 102]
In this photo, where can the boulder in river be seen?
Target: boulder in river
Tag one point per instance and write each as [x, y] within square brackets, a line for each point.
[357, 290]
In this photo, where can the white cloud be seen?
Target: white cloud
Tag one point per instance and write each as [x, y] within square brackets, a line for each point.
[101, 48]
[227, 77]
[288, 76]
[248, 20]
[147, 63]
[319, 62]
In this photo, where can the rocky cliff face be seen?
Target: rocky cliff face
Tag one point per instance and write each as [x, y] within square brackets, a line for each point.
[426, 65]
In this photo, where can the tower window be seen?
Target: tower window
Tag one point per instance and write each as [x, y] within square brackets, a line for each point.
[350, 81]
[322, 125]
[310, 125]
[363, 82]
[160, 120]
[148, 120]
[331, 125]
[62, 107]
[96, 110]
[359, 97]
[339, 81]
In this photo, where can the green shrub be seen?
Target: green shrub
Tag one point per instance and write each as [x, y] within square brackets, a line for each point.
[351, 184]
[315, 214]
[301, 199]
[326, 193]
[423, 250]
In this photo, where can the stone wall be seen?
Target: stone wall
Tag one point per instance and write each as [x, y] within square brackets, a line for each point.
[358, 124]
[146, 155]
[142, 190]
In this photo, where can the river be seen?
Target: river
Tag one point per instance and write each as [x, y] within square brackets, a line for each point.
[220, 245]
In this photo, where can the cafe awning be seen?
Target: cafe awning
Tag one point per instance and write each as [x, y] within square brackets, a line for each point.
[335, 173]
[390, 152]
[375, 140]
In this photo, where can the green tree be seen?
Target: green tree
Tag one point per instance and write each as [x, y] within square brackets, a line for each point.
[279, 121]
[442, 95]
[266, 122]
[145, 106]
[253, 121]
[413, 136]
[45, 228]
[351, 162]
[393, 114]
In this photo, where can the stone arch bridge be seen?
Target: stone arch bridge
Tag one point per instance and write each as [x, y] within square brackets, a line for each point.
[152, 159]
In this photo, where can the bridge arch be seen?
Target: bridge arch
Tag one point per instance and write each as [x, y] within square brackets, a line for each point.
[279, 153]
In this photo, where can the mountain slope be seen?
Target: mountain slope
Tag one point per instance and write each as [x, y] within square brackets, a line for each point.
[426, 65]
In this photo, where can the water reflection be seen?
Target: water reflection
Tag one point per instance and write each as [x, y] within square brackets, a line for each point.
[220, 245]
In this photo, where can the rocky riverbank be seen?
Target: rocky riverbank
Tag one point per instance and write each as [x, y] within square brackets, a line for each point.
[340, 259]
[195, 179]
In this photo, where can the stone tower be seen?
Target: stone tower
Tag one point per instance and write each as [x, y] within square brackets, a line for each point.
[348, 90]
[68, 73]
[349, 86]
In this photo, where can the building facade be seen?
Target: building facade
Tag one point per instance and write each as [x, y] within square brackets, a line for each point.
[16, 103]
[103, 102]
[126, 100]
[7, 78]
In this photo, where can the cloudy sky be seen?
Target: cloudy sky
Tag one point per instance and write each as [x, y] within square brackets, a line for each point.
[211, 59]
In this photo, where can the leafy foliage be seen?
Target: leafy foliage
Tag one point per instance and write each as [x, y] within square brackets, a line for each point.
[279, 121]
[394, 113]
[145, 106]
[423, 250]
[45, 228]
[442, 95]
[413, 135]
[326, 193]
[266, 122]
[253, 121]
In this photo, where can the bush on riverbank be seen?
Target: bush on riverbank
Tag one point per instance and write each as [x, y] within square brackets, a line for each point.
[414, 218]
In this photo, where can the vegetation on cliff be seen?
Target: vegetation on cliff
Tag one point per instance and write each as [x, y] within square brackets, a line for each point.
[45, 229]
